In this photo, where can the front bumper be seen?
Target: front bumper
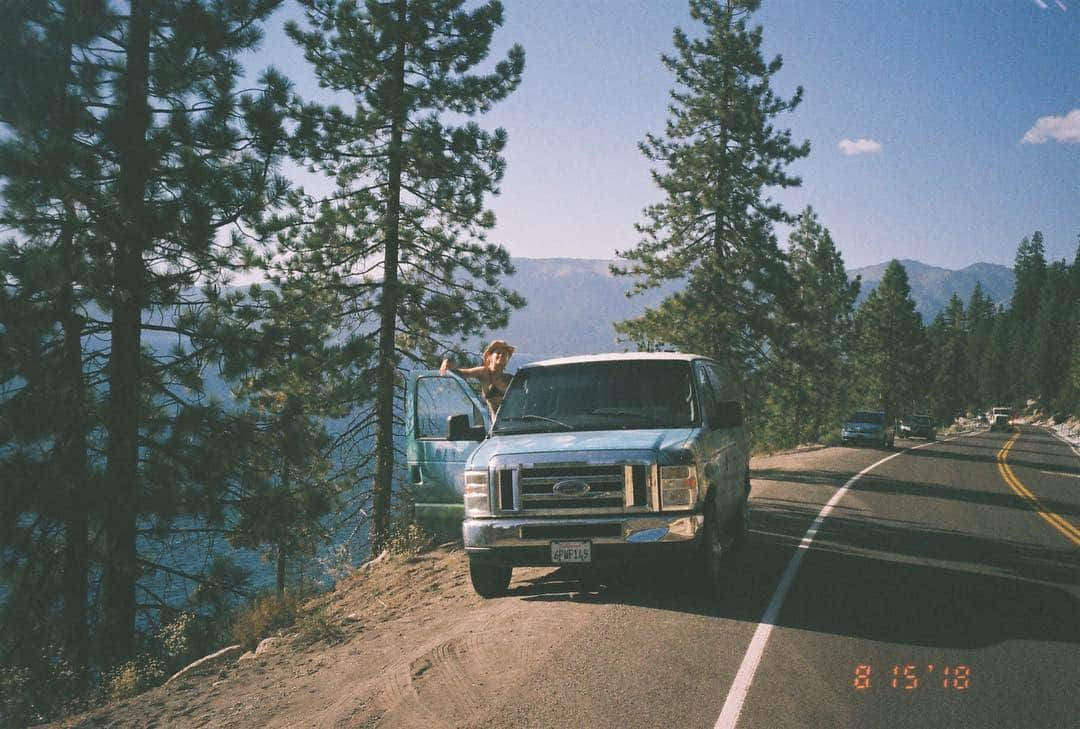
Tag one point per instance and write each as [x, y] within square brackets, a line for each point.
[617, 538]
[860, 437]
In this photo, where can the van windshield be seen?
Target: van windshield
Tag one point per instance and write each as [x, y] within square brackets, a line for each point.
[624, 395]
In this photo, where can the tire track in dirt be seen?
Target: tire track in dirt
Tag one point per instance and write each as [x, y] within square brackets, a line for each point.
[452, 682]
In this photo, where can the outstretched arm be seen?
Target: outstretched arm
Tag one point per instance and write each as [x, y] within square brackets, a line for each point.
[447, 365]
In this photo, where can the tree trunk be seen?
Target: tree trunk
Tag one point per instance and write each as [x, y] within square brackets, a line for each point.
[121, 497]
[281, 570]
[72, 456]
[387, 374]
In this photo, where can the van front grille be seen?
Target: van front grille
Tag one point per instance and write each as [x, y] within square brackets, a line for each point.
[600, 489]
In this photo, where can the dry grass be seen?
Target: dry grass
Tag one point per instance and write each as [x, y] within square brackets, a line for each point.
[263, 617]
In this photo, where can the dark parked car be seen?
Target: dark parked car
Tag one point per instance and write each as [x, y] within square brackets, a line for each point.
[917, 426]
[867, 426]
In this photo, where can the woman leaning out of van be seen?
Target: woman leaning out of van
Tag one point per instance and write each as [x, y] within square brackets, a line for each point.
[493, 380]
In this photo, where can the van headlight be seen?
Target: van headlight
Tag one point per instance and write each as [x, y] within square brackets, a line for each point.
[477, 500]
[678, 487]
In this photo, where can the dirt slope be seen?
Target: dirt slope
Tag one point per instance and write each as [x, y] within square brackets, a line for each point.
[409, 644]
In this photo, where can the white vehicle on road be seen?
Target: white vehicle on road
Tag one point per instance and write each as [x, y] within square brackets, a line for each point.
[1000, 418]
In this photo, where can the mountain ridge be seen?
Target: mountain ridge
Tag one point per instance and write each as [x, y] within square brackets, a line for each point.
[574, 302]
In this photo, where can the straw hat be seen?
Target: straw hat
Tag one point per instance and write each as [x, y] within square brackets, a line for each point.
[497, 345]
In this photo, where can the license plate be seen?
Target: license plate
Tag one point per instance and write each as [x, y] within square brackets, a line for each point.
[571, 552]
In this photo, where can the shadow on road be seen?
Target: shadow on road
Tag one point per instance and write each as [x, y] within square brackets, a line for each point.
[842, 592]
[867, 577]
[876, 484]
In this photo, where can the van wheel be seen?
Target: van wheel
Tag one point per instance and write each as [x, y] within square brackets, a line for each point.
[741, 525]
[712, 567]
[489, 580]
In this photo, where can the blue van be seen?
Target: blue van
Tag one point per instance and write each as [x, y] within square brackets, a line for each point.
[591, 460]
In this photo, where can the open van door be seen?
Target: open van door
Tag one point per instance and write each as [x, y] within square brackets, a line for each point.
[436, 464]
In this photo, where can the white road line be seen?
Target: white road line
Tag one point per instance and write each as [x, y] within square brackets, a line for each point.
[1059, 473]
[729, 715]
[1071, 446]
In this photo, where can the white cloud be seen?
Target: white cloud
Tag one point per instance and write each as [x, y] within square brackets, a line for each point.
[860, 146]
[1061, 5]
[1055, 128]
[1041, 4]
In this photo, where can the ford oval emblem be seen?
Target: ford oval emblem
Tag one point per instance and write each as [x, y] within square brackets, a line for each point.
[571, 488]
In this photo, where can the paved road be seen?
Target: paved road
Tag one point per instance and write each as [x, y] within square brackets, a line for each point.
[935, 595]
[942, 589]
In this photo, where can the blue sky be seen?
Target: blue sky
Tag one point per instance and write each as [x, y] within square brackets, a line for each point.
[942, 94]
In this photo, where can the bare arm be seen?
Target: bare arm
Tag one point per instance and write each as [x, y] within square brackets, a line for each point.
[477, 372]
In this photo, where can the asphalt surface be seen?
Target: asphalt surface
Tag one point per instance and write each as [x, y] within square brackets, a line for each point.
[934, 595]
[941, 589]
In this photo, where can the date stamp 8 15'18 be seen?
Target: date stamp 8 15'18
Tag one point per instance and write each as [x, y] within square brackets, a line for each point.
[912, 677]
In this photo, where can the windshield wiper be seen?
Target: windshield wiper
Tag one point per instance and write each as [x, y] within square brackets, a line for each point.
[626, 413]
[540, 417]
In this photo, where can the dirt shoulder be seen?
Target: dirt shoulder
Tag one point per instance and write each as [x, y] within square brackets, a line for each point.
[397, 637]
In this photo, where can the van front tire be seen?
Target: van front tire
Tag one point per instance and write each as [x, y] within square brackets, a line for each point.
[714, 569]
[489, 580]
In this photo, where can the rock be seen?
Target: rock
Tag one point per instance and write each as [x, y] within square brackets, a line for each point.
[380, 558]
[267, 645]
[214, 659]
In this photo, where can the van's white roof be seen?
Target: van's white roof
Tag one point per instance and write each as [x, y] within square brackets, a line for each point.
[618, 357]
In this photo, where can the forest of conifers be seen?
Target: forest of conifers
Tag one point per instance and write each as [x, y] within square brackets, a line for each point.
[141, 177]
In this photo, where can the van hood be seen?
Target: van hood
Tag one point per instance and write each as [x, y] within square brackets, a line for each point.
[532, 444]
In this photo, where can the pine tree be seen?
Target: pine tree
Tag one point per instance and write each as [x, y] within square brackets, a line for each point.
[947, 339]
[169, 155]
[194, 156]
[888, 352]
[1051, 336]
[291, 380]
[996, 380]
[403, 239]
[809, 393]
[49, 174]
[1069, 399]
[1029, 269]
[714, 227]
[980, 315]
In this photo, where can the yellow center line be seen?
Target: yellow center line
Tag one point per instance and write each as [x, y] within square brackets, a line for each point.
[1058, 522]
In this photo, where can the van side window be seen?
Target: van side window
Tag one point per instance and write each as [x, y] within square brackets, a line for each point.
[437, 398]
[709, 401]
[729, 411]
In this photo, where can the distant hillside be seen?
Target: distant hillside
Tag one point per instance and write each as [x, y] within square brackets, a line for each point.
[932, 287]
[572, 305]
[572, 302]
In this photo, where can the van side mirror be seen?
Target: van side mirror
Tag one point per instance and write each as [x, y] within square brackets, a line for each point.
[729, 414]
[458, 428]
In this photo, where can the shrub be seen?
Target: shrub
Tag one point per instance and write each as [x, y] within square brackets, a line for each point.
[408, 538]
[40, 688]
[132, 677]
[262, 617]
[316, 626]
